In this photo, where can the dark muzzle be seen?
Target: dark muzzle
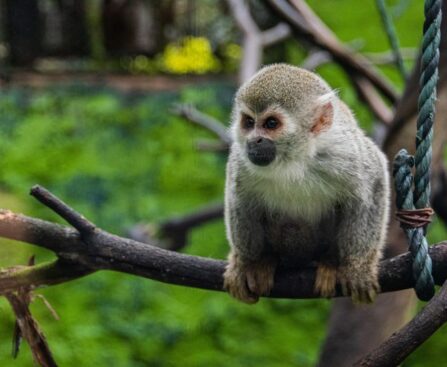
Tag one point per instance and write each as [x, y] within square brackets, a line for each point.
[261, 151]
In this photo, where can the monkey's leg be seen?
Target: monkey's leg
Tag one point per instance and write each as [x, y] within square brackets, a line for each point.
[361, 238]
[247, 281]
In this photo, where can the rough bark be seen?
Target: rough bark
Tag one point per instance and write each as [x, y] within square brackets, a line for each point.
[87, 249]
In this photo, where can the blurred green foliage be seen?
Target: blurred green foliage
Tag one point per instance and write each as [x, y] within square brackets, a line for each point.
[123, 158]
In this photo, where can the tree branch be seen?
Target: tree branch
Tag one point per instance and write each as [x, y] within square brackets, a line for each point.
[102, 250]
[275, 34]
[174, 231]
[193, 115]
[403, 342]
[254, 40]
[308, 26]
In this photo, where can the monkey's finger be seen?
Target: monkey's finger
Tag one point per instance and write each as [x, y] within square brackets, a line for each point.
[241, 293]
[260, 279]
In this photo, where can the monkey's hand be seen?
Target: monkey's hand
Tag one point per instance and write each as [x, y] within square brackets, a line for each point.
[359, 281]
[248, 281]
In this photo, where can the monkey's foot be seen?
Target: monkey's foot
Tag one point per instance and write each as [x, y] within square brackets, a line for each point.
[362, 286]
[325, 280]
[248, 281]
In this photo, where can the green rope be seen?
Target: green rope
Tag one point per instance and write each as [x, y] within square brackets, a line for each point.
[405, 199]
[392, 36]
[426, 102]
[422, 264]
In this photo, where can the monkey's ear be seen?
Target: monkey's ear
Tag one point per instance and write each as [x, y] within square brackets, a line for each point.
[323, 114]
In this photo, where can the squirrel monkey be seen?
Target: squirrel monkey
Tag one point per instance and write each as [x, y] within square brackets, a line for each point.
[304, 184]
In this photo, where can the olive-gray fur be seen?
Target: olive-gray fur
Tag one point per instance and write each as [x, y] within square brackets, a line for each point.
[325, 198]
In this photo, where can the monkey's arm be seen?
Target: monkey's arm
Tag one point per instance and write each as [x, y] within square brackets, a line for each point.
[250, 269]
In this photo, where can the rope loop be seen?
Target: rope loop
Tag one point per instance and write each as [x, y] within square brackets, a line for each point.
[414, 212]
[413, 222]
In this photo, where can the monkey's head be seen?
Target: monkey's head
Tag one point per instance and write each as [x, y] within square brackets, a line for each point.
[280, 113]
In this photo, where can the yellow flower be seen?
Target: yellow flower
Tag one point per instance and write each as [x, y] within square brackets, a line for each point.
[193, 55]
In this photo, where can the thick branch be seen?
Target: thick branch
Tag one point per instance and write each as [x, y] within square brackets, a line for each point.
[369, 95]
[402, 343]
[54, 272]
[107, 251]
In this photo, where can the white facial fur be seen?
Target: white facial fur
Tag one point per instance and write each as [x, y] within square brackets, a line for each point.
[295, 176]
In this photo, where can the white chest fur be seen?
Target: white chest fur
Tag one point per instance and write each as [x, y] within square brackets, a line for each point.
[297, 192]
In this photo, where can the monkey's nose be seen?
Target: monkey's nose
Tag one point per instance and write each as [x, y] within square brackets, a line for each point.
[261, 151]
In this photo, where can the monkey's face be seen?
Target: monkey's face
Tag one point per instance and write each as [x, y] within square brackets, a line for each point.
[278, 117]
[268, 137]
[258, 134]
[277, 137]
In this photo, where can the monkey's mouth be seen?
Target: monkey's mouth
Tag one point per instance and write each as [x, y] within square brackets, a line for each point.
[261, 151]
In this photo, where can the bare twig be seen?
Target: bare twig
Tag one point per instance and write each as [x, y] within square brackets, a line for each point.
[207, 145]
[310, 28]
[31, 331]
[367, 93]
[59, 207]
[403, 342]
[364, 88]
[315, 59]
[27, 327]
[255, 40]
[176, 229]
[191, 114]
[387, 57]
[390, 30]
[307, 25]
[275, 34]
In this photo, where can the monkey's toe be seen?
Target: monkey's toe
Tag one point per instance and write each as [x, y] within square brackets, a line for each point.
[235, 282]
[260, 277]
[326, 280]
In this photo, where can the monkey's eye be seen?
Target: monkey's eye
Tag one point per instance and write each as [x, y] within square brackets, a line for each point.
[271, 123]
[247, 122]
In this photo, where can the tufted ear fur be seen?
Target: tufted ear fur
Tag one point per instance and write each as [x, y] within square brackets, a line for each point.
[323, 114]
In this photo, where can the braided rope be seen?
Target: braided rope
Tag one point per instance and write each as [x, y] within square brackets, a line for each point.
[405, 199]
[426, 102]
[392, 36]
[422, 264]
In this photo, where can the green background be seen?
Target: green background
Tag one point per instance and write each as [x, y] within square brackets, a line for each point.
[122, 158]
